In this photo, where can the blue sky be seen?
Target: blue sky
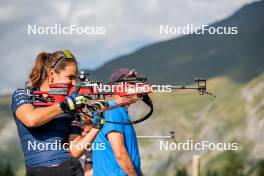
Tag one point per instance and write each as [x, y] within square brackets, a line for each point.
[129, 26]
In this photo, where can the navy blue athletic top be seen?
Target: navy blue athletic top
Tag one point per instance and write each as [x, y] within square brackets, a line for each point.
[45, 145]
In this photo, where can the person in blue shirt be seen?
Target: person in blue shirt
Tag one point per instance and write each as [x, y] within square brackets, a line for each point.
[44, 131]
[120, 155]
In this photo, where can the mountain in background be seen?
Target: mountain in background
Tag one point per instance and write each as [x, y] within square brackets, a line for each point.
[182, 59]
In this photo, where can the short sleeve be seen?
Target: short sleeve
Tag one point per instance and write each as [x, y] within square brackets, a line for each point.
[19, 98]
[76, 126]
[114, 116]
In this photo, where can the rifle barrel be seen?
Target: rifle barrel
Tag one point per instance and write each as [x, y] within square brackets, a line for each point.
[183, 87]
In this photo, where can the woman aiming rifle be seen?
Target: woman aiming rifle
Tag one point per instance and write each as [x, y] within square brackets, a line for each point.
[43, 131]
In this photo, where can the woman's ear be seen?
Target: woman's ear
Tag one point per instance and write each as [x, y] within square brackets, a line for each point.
[51, 75]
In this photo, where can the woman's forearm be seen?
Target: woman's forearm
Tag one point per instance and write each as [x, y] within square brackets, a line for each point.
[34, 117]
[41, 116]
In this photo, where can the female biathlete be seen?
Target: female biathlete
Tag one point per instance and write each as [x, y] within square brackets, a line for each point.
[44, 131]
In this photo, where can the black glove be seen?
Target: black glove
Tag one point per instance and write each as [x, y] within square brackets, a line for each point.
[72, 102]
[98, 121]
[98, 117]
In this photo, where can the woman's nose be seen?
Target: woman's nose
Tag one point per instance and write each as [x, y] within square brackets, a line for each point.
[74, 82]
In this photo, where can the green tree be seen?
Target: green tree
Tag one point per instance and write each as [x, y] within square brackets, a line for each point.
[234, 164]
[261, 168]
[8, 171]
[182, 172]
[212, 173]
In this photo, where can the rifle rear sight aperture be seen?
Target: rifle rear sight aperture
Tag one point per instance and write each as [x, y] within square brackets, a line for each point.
[83, 76]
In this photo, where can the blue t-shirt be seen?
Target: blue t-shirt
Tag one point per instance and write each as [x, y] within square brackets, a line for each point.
[104, 161]
[43, 145]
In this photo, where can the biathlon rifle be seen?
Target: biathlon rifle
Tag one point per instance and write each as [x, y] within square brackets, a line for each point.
[96, 91]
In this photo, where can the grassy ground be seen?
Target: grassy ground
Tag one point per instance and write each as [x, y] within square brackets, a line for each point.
[221, 119]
